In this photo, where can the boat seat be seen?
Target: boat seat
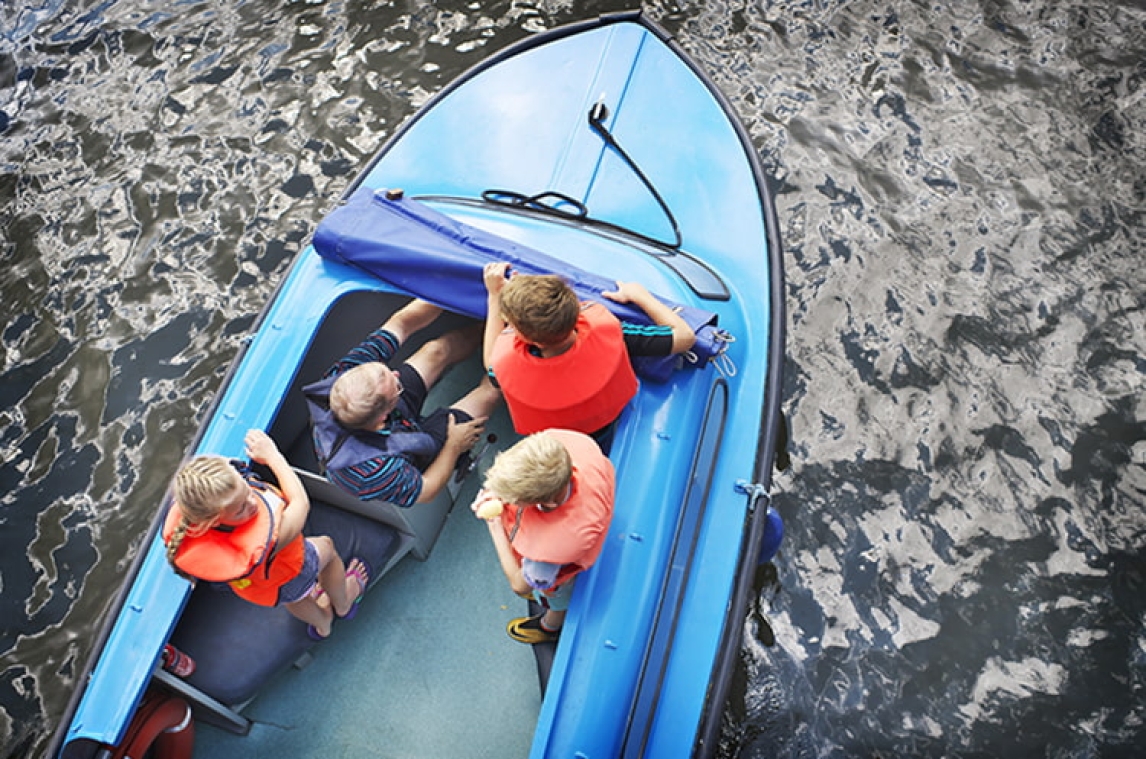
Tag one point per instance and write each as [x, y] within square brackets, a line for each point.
[238, 646]
[418, 526]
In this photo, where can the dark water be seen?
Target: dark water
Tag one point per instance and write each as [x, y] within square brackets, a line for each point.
[961, 189]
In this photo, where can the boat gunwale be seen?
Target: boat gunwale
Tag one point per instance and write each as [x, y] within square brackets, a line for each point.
[722, 670]
[728, 651]
[639, 721]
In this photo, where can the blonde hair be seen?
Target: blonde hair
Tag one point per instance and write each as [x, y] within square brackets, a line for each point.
[203, 488]
[541, 307]
[535, 470]
[356, 397]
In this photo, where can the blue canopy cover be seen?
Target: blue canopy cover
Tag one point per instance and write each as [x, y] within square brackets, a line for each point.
[406, 243]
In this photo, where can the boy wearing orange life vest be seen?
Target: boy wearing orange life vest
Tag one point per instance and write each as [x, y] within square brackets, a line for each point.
[563, 363]
[548, 501]
[224, 527]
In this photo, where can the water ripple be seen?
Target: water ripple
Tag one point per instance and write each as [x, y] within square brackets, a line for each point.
[961, 199]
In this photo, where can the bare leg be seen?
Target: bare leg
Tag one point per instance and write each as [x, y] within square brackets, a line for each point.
[433, 358]
[553, 620]
[415, 315]
[333, 577]
[309, 611]
[353, 584]
[341, 588]
[480, 402]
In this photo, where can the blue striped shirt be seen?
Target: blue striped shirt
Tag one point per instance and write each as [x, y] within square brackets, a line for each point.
[391, 478]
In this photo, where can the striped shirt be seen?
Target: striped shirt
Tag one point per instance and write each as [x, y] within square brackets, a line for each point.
[647, 339]
[391, 478]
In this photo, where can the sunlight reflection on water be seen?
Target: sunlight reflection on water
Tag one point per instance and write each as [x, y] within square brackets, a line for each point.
[961, 197]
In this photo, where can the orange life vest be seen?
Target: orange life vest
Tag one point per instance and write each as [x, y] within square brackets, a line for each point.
[583, 389]
[574, 533]
[246, 556]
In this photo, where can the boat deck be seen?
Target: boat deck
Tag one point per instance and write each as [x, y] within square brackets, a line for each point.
[425, 667]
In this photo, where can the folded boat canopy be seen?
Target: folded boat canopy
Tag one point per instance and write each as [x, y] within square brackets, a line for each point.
[406, 243]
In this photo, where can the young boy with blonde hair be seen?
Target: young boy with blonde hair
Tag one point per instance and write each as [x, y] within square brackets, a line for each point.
[548, 501]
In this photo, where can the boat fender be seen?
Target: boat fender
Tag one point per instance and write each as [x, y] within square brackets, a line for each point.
[773, 536]
[162, 725]
[768, 522]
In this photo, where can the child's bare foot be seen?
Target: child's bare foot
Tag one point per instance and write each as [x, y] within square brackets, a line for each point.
[320, 597]
[322, 631]
[357, 578]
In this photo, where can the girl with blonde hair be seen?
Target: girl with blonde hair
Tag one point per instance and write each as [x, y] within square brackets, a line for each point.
[227, 527]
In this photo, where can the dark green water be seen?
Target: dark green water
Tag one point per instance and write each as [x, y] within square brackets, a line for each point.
[961, 189]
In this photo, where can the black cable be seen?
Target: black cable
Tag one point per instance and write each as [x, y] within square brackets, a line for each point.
[597, 115]
[537, 202]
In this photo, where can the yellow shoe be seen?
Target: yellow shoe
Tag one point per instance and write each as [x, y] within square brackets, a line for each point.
[529, 630]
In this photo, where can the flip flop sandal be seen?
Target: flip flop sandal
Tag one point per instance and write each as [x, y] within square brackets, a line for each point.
[362, 575]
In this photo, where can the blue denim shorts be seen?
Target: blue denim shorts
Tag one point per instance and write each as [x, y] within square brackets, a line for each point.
[556, 599]
[304, 582]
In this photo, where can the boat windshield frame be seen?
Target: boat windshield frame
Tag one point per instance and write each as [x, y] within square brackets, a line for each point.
[699, 276]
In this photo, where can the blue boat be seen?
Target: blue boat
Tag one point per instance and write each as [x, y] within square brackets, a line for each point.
[599, 151]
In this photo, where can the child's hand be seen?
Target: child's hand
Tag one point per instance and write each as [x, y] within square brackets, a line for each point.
[260, 447]
[628, 292]
[494, 276]
[486, 506]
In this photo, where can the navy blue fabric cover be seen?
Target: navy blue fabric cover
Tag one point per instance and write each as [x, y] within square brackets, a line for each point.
[408, 244]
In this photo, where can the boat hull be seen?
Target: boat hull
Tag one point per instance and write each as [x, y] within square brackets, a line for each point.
[646, 653]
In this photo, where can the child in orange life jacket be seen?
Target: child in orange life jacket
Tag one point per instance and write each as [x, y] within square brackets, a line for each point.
[226, 528]
[563, 363]
[548, 501]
